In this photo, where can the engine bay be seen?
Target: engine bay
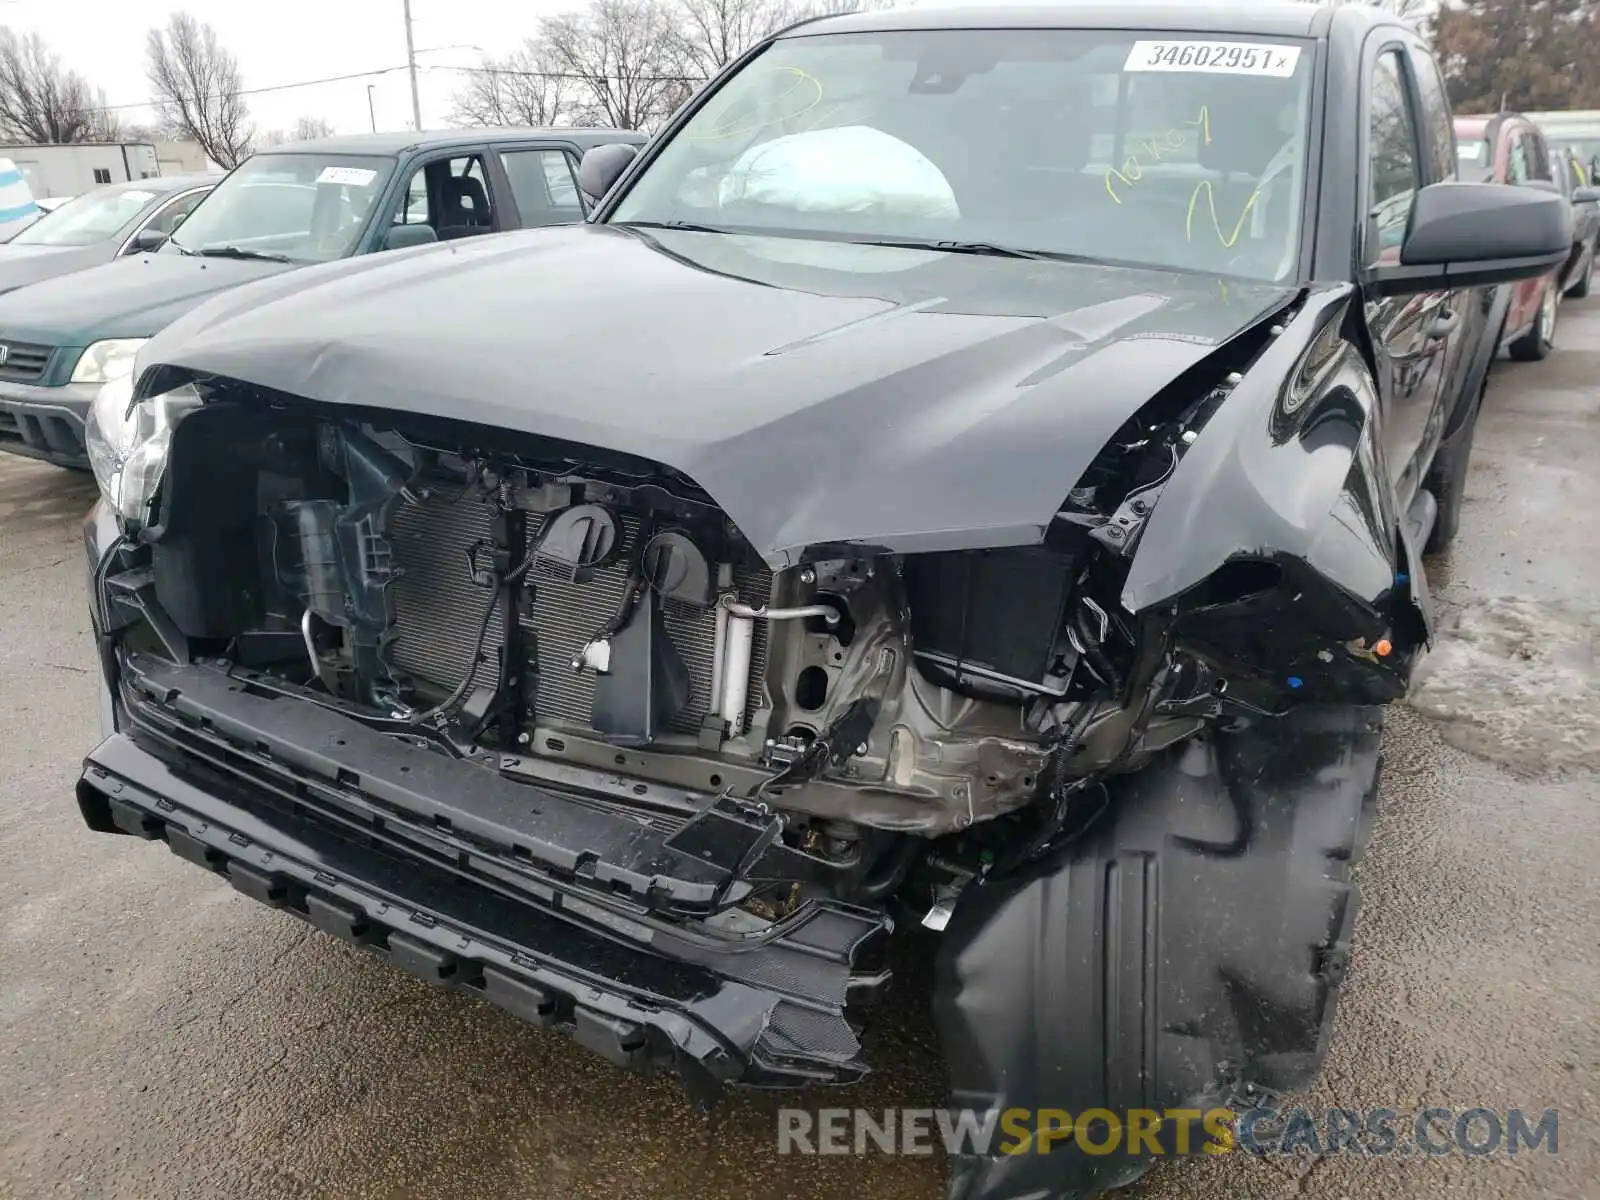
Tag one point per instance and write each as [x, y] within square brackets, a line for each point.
[583, 620]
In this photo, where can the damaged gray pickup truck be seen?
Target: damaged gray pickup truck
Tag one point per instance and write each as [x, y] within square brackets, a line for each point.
[970, 472]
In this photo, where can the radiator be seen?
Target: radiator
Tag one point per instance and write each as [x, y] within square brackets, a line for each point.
[438, 610]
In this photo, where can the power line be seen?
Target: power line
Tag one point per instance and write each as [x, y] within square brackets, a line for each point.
[305, 83]
[260, 91]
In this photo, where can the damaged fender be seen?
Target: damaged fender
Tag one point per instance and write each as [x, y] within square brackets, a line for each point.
[1275, 545]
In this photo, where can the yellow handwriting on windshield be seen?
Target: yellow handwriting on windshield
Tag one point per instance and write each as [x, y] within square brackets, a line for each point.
[1227, 239]
[1154, 148]
[802, 92]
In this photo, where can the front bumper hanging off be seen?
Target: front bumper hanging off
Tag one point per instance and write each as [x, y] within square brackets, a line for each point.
[565, 915]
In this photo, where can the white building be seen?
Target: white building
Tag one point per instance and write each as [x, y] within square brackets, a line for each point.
[74, 169]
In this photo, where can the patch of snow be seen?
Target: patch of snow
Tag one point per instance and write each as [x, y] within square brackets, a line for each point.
[1518, 681]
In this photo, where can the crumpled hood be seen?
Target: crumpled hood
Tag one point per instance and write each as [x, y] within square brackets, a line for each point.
[128, 297]
[819, 392]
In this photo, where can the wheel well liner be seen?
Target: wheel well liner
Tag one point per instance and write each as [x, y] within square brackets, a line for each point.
[1186, 953]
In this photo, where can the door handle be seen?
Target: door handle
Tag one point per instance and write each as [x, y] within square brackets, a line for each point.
[1443, 325]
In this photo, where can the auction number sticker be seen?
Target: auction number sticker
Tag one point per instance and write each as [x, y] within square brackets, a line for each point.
[351, 176]
[1216, 58]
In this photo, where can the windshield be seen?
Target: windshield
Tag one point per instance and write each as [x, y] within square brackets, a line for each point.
[1117, 146]
[289, 207]
[96, 217]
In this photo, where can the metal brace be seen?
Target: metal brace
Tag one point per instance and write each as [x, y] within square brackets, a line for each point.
[1121, 533]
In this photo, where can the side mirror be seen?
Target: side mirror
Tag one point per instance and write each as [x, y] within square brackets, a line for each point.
[400, 237]
[1586, 194]
[602, 166]
[145, 241]
[1466, 234]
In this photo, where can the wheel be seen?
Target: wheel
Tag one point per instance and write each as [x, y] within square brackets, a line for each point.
[1537, 343]
[1186, 953]
[1447, 476]
[1580, 286]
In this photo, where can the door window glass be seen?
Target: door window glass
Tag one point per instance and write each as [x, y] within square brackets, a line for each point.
[1392, 160]
[1538, 158]
[413, 209]
[544, 186]
[164, 220]
[1436, 115]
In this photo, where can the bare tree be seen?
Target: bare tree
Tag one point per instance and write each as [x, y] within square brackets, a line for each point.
[306, 129]
[309, 129]
[526, 87]
[196, 88]
[626, 57]
[712, 33]
[42, 102]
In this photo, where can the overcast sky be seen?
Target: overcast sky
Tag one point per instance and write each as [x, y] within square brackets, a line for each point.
[291, 41]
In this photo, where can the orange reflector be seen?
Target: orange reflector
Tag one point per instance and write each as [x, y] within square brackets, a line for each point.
[1382, 648]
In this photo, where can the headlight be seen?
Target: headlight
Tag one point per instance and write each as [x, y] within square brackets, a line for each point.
[128, 447]
[107, 360]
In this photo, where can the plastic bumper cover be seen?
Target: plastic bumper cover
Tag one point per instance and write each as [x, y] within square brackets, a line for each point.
[46, 422]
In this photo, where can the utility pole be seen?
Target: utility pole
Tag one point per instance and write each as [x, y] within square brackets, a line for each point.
[411, 64]
[372, 113]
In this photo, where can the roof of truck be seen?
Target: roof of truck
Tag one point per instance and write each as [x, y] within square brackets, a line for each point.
[1273, 18]
[405, 140]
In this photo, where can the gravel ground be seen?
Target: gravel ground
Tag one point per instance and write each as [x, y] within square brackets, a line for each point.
[162, 1036]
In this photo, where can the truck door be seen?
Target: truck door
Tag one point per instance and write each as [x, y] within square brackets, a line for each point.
[1411, 333]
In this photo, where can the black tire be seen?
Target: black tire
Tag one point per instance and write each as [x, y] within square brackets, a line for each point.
[1537, 343]
[1580, 286]
[1186, 953]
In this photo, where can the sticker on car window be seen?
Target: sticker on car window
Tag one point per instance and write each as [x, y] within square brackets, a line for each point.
[352, 176]
[1217, 58]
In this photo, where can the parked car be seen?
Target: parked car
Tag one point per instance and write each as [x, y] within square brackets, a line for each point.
[1573, 179]
[288, 207]
[861, 516]
[1508, 148]
[1577, 131]
[102, 225]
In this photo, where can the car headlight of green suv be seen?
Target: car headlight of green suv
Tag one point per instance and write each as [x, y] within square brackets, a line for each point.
[107, 360]
[128, 441]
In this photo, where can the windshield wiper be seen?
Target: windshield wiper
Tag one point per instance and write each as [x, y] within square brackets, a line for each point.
[179, 247]
[240, 252]
[990, 248]
[949, 247]
[686, 226]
